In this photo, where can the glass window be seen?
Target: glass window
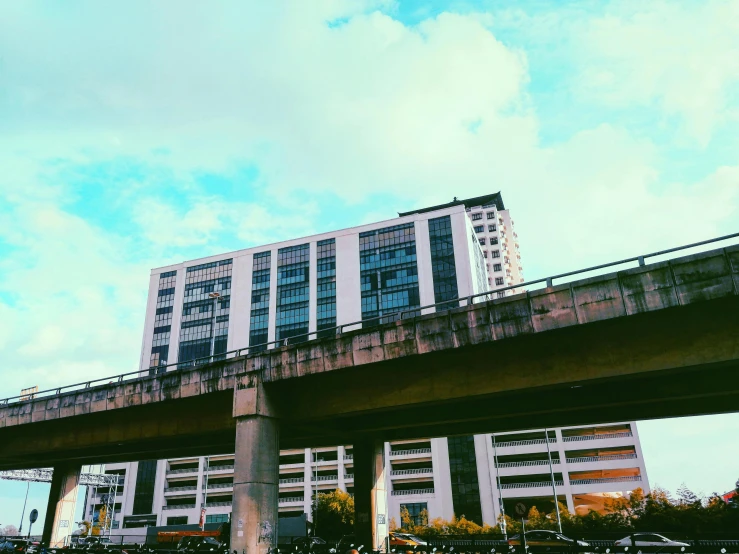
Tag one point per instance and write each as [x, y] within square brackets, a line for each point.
[491, 215]
[293, 292]
[417, 511]
[143, 498]
[497, 267]
[216, 518]
[479, 228]
[495, 254]
[463, 470]
[204, 327]
[476, 216]
[388, 270]
[159, 355]
[443, 266]
[326, 286]
[491, 228]
[493, 240]
[259, 315]
[482, 241]
[499, 281]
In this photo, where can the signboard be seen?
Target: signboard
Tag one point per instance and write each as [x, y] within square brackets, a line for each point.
[33, 516]
[381, 519]
[520, 509]
[29, 393]
[240, 524]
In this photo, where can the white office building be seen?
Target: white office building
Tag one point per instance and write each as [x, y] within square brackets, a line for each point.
[259, 295]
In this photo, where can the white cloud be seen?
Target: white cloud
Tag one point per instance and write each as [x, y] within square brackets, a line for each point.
[682, 57]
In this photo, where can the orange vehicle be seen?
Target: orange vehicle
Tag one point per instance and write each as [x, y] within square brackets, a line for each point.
[173, 537]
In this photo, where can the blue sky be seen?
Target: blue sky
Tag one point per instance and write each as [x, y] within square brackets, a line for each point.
[137, 135]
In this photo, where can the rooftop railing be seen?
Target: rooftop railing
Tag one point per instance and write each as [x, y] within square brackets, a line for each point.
[598, 436]
[339, 329]
[532, 485]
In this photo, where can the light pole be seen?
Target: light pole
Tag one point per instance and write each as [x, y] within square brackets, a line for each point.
[23, 513]
[551, 472]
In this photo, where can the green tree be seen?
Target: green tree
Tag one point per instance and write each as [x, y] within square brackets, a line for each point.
[334, 514]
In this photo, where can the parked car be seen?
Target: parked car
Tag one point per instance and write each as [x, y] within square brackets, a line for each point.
[310, 544]
[649, 539]
[405, 539]
[19, 546]
[196, 544]
[550, 539]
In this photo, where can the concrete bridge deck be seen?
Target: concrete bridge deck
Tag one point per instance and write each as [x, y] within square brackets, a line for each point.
[655, 341]
[660, 340]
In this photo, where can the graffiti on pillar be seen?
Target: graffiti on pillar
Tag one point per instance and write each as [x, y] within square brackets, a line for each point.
[266, 533]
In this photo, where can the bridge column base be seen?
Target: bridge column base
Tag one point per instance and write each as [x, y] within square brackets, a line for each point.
[59, 522]
[256, 485]
[370, 495]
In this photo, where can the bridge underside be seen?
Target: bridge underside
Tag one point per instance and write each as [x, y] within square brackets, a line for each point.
[668, 363]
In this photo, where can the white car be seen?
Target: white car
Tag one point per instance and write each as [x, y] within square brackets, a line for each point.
[649, 539]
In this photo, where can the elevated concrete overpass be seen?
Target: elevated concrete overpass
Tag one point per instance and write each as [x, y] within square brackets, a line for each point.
[660, 340]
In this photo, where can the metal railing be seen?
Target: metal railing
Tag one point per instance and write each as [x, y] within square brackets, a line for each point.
[217, 504]
[413, 491]
[532, 485]
[348, 476]
[417, 471]
[523, 443]
[339, 329]
[396, 453]
[180, 489]
[527, 463]
[625, 479]
[348, 457]
[291, 499]
[183, 470]
[178, 507]
[218, 486]
[292, 480]
[325, 478]
[226, 467]
[600, 436]
[585, 459]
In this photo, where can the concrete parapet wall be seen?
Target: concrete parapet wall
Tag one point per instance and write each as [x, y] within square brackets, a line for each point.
[665, 285]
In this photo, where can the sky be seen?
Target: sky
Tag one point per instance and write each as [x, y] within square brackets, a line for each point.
[135, 135]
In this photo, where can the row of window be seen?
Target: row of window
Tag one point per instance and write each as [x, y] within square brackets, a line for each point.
[259, 316]
[493, 240]
[477, 216]
[293, 291]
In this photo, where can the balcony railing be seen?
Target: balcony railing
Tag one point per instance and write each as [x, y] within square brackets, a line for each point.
[527, 463]
[624, 479]
[179, 489]
[219, 468]
[417, 471]
[523, 443]
[292, 480]
[348, 476]
[348, 457]
[600, 436]
[217, 504]
[413, 491]
[178, 507]
[218, 485]
[584, 459]
[397, 453]
[291, 499]
[532, 485]
[324, 478]
[182, 470]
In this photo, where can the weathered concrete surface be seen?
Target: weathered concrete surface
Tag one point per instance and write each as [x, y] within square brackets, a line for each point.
[655, 341]
[60, 511]
[370, 495]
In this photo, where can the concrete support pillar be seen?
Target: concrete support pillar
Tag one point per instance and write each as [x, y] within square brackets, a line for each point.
[256, 470]
[370, 495]
[60, 512]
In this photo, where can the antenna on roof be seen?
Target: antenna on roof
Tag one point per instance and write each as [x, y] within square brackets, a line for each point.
[455, 198]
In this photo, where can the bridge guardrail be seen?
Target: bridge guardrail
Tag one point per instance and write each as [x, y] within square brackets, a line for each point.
[339, 329]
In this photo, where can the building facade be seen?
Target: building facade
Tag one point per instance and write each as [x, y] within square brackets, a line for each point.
[288, 290]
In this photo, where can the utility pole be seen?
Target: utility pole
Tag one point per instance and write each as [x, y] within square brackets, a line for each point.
[23, 513]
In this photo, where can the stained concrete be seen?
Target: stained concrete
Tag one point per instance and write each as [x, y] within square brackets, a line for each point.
[654, 341]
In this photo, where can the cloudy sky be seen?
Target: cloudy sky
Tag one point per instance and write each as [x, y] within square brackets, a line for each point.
[137, 134]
